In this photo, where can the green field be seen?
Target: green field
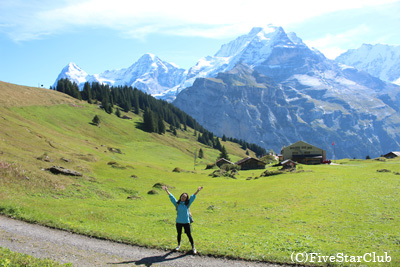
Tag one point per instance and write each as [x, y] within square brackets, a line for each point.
[348, 208]
[12, 259]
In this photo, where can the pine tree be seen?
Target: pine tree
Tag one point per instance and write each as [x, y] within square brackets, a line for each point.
[118, 113]
[161, 126]
[201, 153]
[218, 144]
[148, 121]
[224, 138]
[136, 103]
[87, 92]
[96, 120]
[223, 153]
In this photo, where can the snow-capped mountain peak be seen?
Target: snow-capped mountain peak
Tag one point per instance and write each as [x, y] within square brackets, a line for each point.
[257, 38]
[379, 60]
[149, 73]
[251, 49]
[72, 72]
[295, 39]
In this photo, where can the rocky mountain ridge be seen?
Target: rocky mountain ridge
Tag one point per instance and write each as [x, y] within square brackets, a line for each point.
[379, 60]
[321, 100]
[269, 88]
[149, 74]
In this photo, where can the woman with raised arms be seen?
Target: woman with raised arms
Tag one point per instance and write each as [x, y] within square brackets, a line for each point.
[182, 219]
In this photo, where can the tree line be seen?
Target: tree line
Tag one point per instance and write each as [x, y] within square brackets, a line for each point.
[156, 111]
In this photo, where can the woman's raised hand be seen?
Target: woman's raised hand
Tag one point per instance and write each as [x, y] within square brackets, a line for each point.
[165, 189]
[198, 190]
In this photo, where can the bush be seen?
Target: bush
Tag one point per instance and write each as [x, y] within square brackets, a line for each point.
[116, 165]
[152, 192]
[219, 173]
[210, 166]
[158, 185]
[270, 173]
[230, 167]
[383, 170]
[177, 169]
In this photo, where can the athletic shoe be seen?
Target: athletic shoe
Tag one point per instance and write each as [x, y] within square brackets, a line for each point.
[194, 251]
[178, 247]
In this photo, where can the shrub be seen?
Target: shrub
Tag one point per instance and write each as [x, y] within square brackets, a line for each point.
[210, 166]
[270, 173]
[152, 192]
[219, 173]
[230, 167]
[116, 165]
[177, 169]
[158, 185]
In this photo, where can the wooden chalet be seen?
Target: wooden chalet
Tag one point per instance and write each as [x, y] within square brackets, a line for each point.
[223, 161]
[250, 163]
[393, 154]
[288, 164]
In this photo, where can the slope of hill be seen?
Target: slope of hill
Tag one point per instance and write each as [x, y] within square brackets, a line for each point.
[12, 95]
[325, 209]
[38, 121]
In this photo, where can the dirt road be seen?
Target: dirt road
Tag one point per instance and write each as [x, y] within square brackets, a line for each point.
[64, 247]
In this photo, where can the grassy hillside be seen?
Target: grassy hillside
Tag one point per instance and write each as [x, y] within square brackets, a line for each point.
[349, 208]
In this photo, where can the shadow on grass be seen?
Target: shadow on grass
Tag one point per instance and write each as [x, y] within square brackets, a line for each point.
[149, 261]
[140, 126]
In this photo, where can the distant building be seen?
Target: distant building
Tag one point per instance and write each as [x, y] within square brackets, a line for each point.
[223, 161]
[126, 117]
[288, 164]
[393, 154]
[304, 153]
[250, 164]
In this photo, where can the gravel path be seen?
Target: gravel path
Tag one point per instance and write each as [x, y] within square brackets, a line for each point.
[64, 247]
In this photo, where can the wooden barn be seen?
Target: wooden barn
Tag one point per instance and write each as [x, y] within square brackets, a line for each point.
[288, 164]
[250, 163]
[223, 161]
[304, 153]
[393, 154]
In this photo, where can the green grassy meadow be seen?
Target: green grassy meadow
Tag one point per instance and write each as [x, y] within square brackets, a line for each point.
[9, 258]
[348, 208]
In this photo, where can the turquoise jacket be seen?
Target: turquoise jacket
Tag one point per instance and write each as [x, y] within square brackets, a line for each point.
[182, 210]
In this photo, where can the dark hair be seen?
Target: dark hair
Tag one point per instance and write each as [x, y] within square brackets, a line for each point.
[186, 201]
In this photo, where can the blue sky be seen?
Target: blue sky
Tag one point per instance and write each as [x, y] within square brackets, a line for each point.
[39, 37]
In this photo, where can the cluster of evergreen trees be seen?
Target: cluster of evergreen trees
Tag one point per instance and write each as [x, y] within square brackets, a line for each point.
[155, 111]
[253, 147]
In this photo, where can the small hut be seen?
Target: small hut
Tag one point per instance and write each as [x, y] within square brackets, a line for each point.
[223, 161]
[250, 163]
[393, 154]
[288, 164]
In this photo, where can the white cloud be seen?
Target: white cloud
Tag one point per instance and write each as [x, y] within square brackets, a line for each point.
[208, 18]
[332, 45]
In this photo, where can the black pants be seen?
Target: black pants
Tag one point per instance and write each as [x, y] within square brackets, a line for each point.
[188, 231]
